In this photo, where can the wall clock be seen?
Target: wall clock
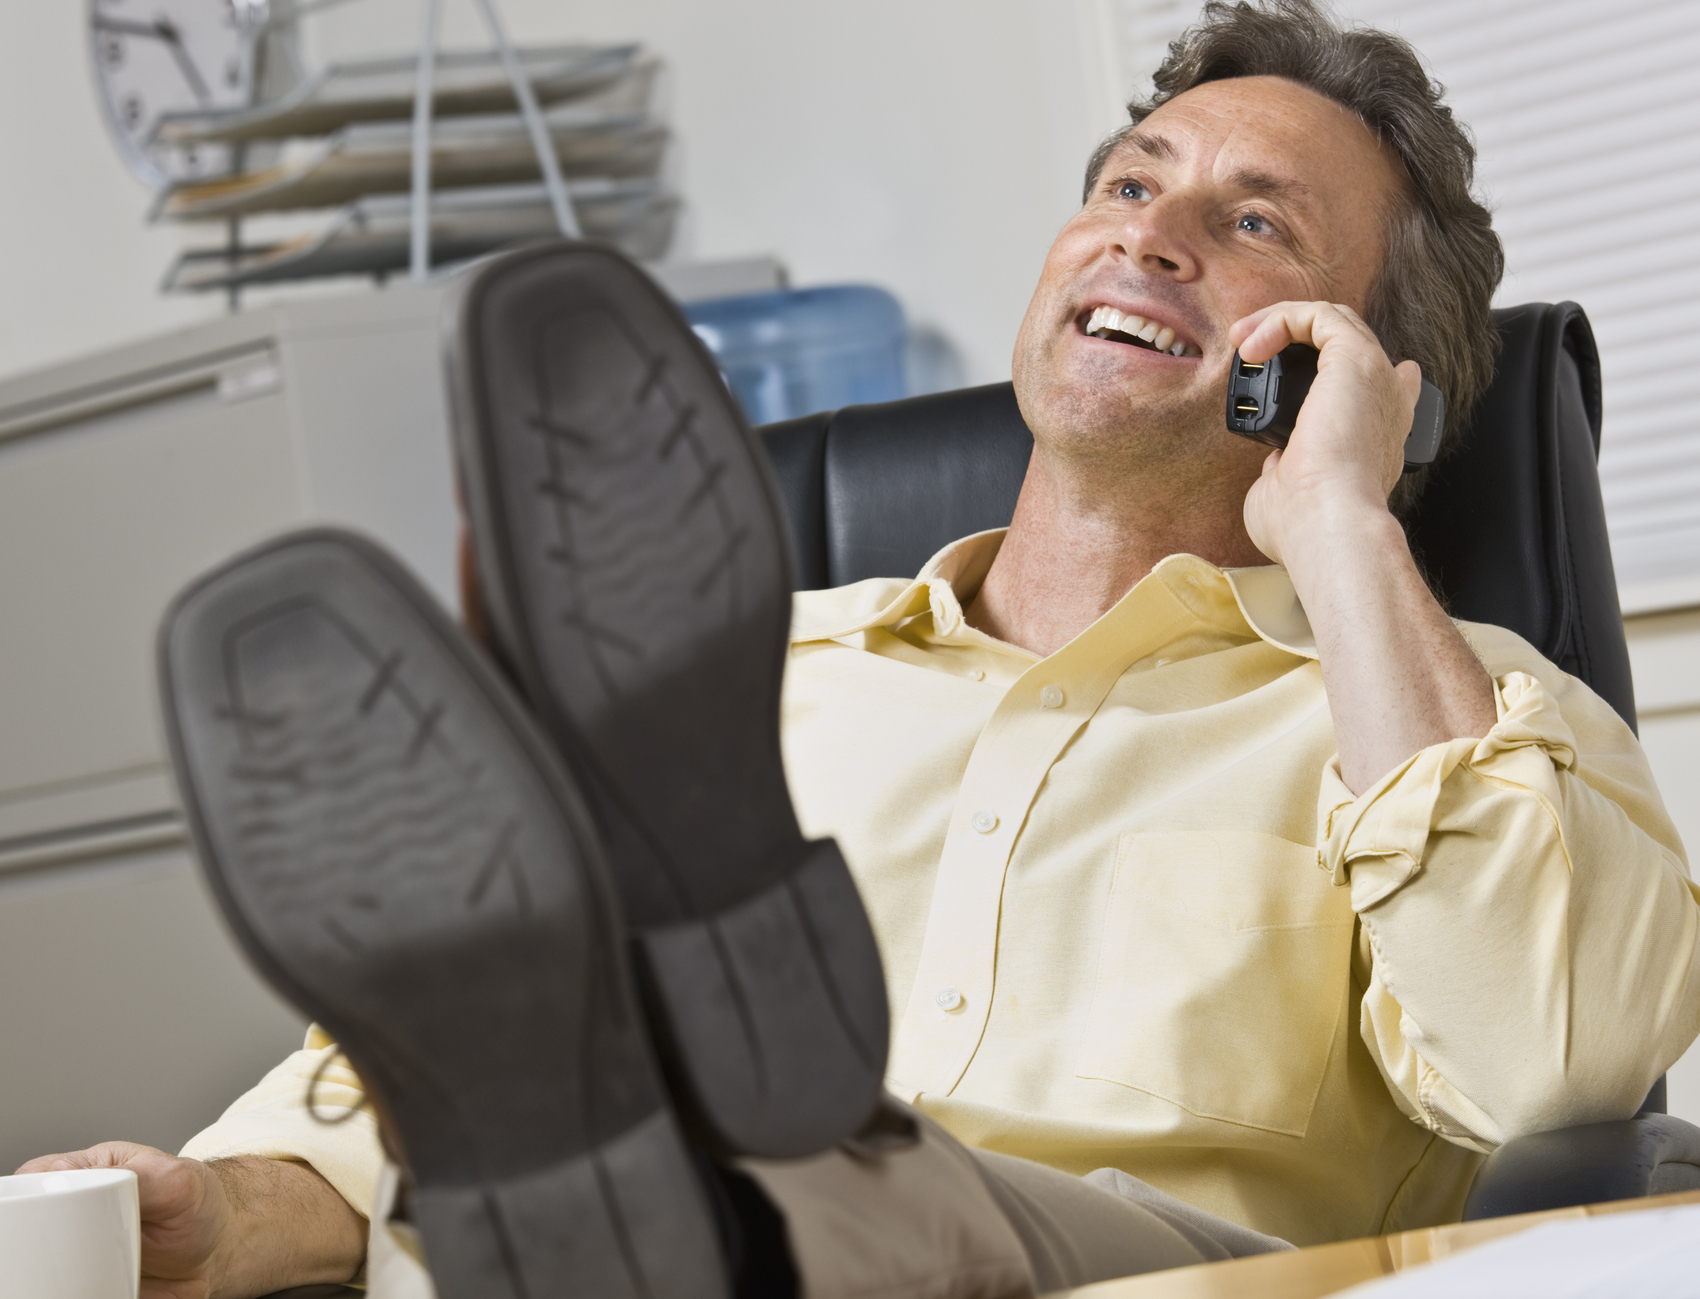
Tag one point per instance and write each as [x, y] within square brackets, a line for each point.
[160, 56]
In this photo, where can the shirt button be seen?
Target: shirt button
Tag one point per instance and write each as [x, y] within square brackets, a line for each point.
[984, 822]
[1163, 663]
[976, 674]
[947, 998]
[1192, 579]
[1051, 697]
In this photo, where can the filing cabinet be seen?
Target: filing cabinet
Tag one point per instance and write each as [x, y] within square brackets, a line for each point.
[125, 1010]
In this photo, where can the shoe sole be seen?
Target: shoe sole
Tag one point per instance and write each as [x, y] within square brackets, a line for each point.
[400, 854]
[633, 560]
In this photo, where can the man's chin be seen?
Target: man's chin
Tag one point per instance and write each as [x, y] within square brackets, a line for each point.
[1087, 417]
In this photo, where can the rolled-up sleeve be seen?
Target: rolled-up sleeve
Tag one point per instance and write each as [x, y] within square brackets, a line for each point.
[311, 1109]
[1529, 919]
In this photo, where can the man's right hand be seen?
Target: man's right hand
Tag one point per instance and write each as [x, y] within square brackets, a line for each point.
[231, 1229]
[184, 1213]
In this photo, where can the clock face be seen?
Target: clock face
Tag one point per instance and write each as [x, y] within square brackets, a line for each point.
[161, 56]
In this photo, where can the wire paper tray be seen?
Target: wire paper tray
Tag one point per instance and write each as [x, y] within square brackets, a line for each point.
[465, 81]
[376, 158]
[370, 236]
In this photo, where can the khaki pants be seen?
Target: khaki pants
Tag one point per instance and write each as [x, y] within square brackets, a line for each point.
[933, 1219]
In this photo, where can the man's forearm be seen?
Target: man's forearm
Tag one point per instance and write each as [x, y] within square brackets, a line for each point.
[287, 1226]
[1399, 676]
[1533, 930]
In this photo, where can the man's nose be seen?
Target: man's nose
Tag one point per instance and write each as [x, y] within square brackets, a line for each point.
[1161, 238]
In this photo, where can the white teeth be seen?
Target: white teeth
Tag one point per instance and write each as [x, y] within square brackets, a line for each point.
[1107, 319]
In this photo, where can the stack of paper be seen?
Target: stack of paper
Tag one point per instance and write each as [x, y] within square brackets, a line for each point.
[1652, 1254]
[485, 177]
[371, 235]
[374, 90]
[377, 158]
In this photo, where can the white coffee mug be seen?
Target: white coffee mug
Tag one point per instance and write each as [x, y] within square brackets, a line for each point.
[70, 1235]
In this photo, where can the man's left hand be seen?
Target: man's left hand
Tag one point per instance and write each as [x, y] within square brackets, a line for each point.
[1347, 450]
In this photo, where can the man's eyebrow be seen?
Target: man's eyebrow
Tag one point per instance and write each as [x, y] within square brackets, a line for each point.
[1253, 181]
[1264, 185]
[1151, 146]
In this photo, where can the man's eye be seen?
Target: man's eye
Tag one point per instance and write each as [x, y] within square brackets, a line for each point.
[1253, 224]
[1131, 189]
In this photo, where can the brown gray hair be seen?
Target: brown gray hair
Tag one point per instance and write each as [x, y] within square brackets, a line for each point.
[1443, 262]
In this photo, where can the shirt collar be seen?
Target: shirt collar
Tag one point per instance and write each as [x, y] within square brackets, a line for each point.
[1259, 600]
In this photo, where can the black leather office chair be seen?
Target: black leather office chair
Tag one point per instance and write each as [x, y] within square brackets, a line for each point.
[1510, 529]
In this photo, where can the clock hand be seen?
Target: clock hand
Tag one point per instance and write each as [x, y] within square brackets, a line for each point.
[125, 27]
[165, 30]
[169, 34]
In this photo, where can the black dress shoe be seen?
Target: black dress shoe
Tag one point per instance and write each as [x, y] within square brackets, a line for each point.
[402, 855]
[632, 559]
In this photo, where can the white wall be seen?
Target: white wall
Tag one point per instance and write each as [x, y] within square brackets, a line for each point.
[77, 268]
[929, 146]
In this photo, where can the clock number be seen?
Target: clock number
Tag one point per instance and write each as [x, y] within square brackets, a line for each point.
[132, 111]
[112, 50]
[232, 73]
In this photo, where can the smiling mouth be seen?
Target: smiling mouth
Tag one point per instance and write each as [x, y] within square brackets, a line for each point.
[1136, 331]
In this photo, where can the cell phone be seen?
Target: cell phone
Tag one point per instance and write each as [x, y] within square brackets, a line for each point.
[1264, 401]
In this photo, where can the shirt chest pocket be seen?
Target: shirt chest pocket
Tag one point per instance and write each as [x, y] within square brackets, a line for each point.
[1224, 970]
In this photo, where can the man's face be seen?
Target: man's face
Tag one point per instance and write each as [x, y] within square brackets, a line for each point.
[1230, 197]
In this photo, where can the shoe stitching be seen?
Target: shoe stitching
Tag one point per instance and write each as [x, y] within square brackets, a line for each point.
[424, 729]
[657, 364]
[681, 427]
[550, 427]
[721, 561]
[501, 860]
[700, 493]
[622, 1234]
[250, 717]
[292, 774]
[805, 922]
[556, 490]
[492, 863]
[598, 632]
[504, 1242]
[380, 682]
[345, 940]
[740, 1000]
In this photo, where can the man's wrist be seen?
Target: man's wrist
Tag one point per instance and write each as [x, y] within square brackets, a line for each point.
[281, 1225]
[1341, 536]
[229, 1262]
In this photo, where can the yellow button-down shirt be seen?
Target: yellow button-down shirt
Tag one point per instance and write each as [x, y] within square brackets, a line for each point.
[1131, 916]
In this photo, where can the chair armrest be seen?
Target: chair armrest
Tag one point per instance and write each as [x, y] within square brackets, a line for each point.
[1650, 1154]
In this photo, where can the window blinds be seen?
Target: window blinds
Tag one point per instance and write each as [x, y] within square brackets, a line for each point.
[1587, 118]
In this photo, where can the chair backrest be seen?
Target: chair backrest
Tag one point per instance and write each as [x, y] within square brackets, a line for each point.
[1510, 527]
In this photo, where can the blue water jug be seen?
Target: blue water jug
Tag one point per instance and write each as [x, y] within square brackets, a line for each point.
[798, 351]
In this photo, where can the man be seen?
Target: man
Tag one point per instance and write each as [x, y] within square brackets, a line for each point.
[1086, 773]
